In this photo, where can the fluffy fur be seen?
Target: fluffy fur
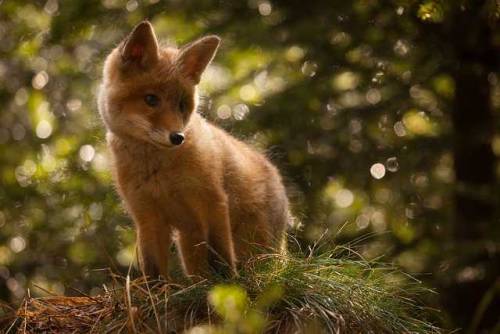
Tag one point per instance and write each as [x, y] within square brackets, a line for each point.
[221, 197]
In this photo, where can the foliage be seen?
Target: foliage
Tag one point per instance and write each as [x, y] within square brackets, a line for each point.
[431, 11]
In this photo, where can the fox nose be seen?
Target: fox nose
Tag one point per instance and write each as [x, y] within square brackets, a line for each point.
[176, 138]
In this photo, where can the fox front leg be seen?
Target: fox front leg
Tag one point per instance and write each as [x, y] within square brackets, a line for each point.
[194, 252]
[222, 255]
[153, 240]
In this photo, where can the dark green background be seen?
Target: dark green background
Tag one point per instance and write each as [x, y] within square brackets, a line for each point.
[338, 93]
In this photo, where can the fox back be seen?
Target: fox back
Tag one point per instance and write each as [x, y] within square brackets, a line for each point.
[180, 177]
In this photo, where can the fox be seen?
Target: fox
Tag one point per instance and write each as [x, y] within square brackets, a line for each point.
[181, 178]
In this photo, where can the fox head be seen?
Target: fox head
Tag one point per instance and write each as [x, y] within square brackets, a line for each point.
[149, 93]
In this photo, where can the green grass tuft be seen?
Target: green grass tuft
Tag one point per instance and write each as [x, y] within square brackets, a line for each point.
[323, 292]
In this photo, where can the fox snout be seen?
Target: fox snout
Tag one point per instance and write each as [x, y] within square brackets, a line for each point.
[176, 138]
[165, 138]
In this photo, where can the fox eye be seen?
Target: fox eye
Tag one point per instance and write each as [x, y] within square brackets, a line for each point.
[152, 100]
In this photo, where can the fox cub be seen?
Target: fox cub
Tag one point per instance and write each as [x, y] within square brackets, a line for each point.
[177, 173]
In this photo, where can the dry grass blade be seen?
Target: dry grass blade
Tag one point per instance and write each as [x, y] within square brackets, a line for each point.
[130, 308]
[64, 314]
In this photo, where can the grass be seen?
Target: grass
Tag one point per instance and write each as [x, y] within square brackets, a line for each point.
[332, 291]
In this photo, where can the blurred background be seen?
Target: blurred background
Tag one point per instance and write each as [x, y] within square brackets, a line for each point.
[383, 117]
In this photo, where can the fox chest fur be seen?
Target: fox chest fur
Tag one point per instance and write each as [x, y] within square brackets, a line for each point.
[174, 184]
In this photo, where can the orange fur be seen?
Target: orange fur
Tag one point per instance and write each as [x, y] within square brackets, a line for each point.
[219, 195]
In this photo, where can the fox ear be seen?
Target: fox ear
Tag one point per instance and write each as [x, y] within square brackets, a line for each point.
[195, 57]
[141, 46]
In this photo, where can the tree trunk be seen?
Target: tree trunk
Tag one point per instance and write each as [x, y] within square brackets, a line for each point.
[476, 260]
[474, 127]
